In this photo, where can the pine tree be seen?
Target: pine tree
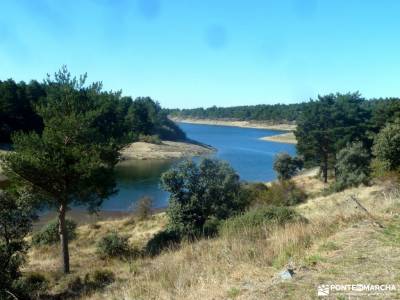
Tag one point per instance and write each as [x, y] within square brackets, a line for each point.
[72, 161]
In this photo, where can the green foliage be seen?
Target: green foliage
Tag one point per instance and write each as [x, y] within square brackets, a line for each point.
[272, 113]
[16, 107]
[31, 285]
[98, 279]
[211, 227]
[69, 159]
[286, 166]
[265, 216]
[386, 146]
[113, 245]
[72, 161]
[199, 192]
[143, 208]
[255, 192]
[329, 124]
[152, 139]
[49, 234]
[282, 193]
[285, 193]
[162, 240]
[352, 166]
[145, 117]
[383, 111]
[16, 216]
[19, 101]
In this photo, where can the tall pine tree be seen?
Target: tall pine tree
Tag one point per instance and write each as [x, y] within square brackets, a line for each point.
[72, 161]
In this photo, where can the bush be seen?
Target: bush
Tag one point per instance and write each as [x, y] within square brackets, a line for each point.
[282, 193]
[199, 192]
[91, 282]
[152, 139]
[386, 146]
[99, 278]
[352, 167]
[31, 284]
[211, 226]
[286, 166]
[256, 193]
[162, 240]
[268, 215]
[143, 208]
[285, 193]
[16, 218]
[113, 245]
[49, 235]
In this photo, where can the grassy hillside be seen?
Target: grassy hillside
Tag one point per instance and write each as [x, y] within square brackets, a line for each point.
[339, 243]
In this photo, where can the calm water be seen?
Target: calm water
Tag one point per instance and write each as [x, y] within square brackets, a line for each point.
[250, 157]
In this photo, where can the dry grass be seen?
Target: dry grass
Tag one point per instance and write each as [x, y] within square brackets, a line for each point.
[83, 250]
[244, 264]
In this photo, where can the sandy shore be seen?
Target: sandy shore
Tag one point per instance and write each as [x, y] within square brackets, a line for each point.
[243, 124]
[287, 138]
[166, 150]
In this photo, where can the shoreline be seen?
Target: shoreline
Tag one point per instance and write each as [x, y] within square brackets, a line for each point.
[165, 151]
[285, 138]
[242, 124]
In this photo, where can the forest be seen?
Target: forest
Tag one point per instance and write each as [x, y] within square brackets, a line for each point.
[19, 102]
[277, 113]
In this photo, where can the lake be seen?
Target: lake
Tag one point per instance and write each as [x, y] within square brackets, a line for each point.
[251, 157]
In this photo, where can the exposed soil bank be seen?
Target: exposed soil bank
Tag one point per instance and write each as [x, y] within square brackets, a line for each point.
[243, 124]
[165, 150]
[287, 138]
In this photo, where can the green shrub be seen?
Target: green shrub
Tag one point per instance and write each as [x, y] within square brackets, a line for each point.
[286, 166]
[386, 146]
[31, 285]
[113, 245]
[210, 189]
[92, 281]
[211, 226]
[268, 215]
[143, 208]
[162, 240]
[152, 139]
[49, 235]
[99, 278]
[16, 217]
[352, 167]
[256, 193]
[76, 285]
[284, 193]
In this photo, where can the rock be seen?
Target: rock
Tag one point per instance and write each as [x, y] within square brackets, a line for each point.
[286, 274]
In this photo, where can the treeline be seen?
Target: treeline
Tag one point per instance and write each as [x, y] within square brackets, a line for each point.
[273, 113]
[277, 113]
[19, 104]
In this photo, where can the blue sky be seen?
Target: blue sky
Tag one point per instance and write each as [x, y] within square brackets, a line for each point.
[208, 52]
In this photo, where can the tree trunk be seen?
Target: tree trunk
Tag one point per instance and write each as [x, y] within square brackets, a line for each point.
[325, 168]
[62, 230]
